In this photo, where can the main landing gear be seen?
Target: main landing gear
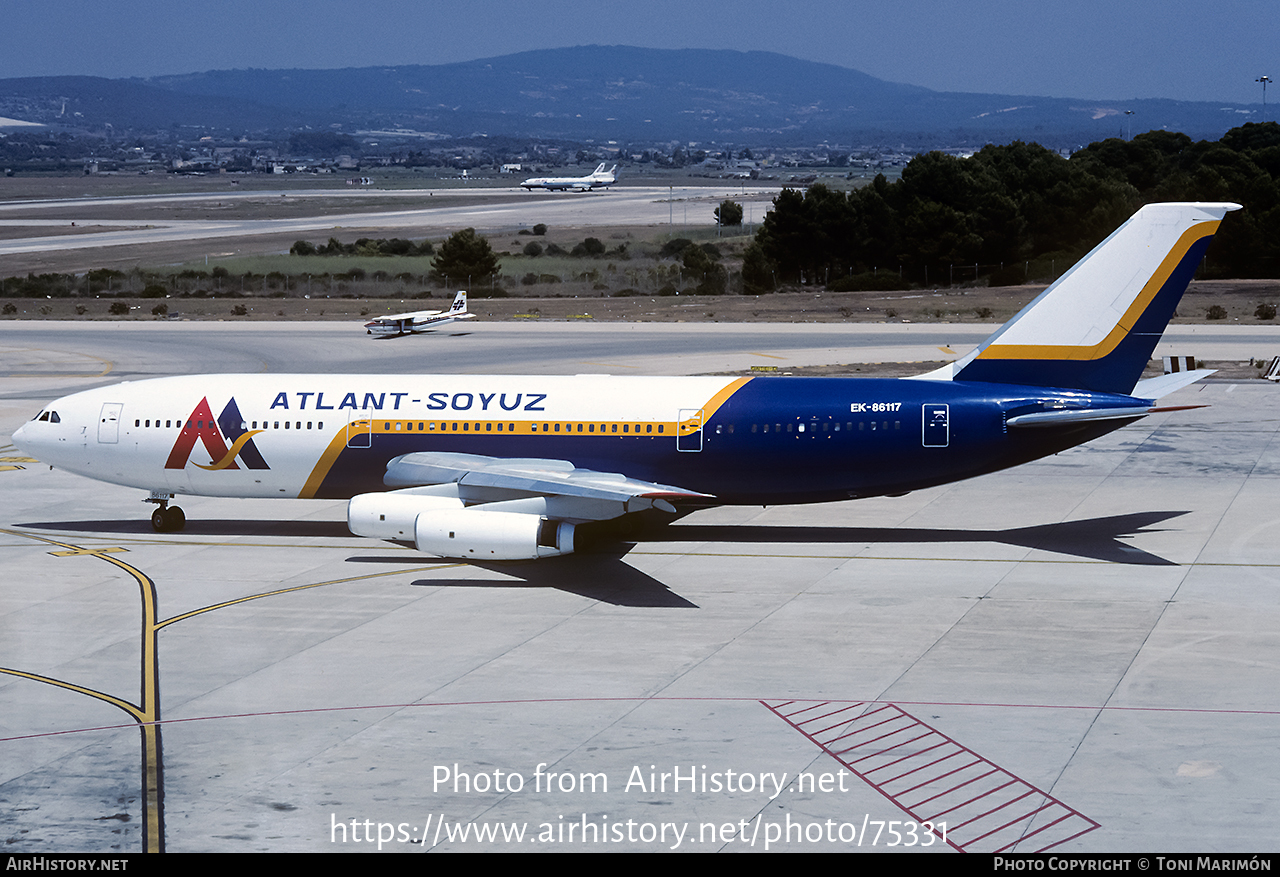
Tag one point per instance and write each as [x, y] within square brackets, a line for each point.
[165, 519]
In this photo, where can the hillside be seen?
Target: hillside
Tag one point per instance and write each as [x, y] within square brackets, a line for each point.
[609, 93]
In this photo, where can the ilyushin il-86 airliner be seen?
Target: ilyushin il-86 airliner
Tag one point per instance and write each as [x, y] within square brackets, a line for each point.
[597, 179]
[504, 468]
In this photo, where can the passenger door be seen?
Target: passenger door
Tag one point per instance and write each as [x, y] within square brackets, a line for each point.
[936, 432]
[689, 430]
[109, 423]
[359, 431]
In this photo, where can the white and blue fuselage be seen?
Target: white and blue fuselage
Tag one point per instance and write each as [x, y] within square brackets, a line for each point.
[745, 440]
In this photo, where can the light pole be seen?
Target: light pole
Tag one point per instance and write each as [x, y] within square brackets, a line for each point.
[1264, 80]
[1128, 114]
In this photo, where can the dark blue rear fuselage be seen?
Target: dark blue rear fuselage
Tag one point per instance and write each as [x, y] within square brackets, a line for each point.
[788, 440]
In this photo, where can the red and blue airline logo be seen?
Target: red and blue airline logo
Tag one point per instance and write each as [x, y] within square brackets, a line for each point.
[201, 426]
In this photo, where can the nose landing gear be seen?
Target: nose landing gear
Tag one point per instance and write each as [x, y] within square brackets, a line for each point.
[165, 519]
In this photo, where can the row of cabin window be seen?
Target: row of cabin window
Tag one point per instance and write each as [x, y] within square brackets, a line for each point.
[827, 426]
[430, 426]
[627, 428]
[453, 426]
[275, 424]
[200, 424]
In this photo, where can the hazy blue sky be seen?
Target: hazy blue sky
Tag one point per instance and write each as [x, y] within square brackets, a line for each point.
[1069, 48]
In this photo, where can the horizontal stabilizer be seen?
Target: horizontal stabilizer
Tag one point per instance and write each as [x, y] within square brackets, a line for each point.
[1159, 387]
[1071, 416]
[1066, 416]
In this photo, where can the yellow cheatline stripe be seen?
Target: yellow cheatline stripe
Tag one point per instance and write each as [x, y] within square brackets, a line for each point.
[1126, 323]
[723, 396]
[230, 456]
[693, 424]
[515, 427]
[325, 463]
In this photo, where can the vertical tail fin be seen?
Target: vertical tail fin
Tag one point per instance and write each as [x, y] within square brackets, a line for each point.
[1096, 327]
[459, 303]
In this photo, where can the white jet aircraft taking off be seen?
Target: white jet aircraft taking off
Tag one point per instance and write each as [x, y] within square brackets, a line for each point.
[502, 467]
[597, 179]
[420, 321]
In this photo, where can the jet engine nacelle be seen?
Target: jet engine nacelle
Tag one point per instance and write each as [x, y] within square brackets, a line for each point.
[392, 515]
[475, 534]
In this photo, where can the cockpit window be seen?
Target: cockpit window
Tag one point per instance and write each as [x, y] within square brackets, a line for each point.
[54, 418]
[44, 416]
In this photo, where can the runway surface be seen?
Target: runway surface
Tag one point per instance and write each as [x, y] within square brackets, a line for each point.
[1085, 646]
[499, 209]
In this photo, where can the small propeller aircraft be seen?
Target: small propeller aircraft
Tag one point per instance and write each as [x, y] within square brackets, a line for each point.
[419, 321]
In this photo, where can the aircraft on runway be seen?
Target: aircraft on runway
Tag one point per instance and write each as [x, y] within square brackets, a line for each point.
[597, 179]
[420, 321]
[502, 467]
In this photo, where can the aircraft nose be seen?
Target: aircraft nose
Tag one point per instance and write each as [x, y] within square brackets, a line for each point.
[27, 438]
[24, 439]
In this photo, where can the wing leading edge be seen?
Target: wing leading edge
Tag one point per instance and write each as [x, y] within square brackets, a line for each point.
[579, 494]
[470, 505]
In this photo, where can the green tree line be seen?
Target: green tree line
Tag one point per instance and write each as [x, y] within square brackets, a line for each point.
[1021, 212]
[363, 247]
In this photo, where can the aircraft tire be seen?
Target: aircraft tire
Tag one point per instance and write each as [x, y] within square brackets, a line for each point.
[169, 520]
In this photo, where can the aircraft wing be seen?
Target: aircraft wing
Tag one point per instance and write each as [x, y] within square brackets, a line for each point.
[413, 315]
[1147, 390]
[565, 492]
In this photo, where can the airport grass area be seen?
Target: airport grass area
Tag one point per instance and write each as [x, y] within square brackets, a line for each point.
[1237, 302]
